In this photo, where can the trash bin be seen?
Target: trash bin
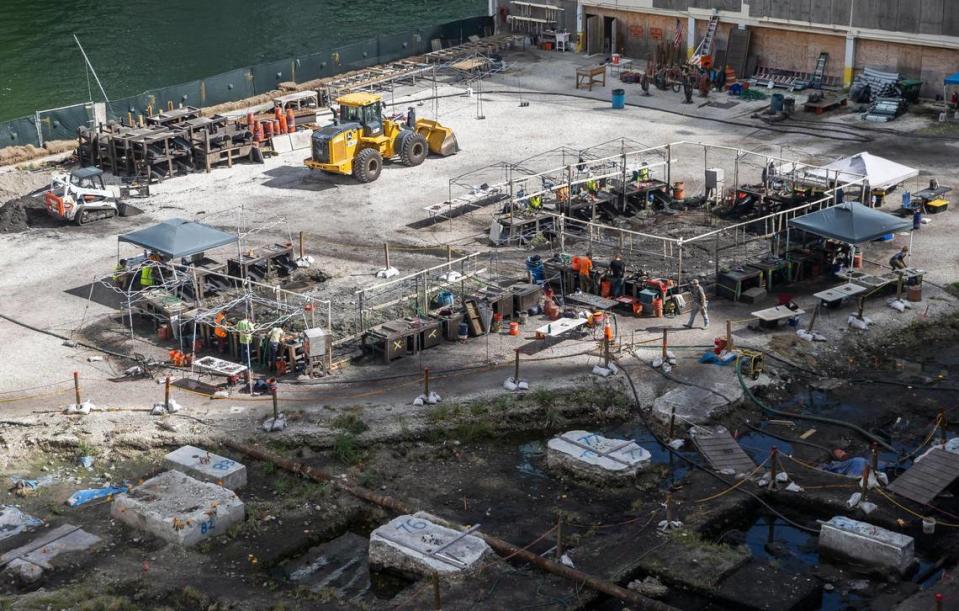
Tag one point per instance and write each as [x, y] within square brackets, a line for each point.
[776, 103]
[619, 98]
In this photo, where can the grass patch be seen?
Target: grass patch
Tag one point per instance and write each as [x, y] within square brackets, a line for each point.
[351, 423]
[346, 450]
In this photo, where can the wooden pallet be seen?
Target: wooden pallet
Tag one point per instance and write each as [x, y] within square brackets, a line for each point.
[721, 451]
[926, 479]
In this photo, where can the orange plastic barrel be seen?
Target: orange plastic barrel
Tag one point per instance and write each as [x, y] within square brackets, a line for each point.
[268, 125]
[679, 190]
[914, 293]
[514, 328]
[276, 112]
[283, 128]
[290, 120]
[658, 307]
[276, 127]
[857, 261]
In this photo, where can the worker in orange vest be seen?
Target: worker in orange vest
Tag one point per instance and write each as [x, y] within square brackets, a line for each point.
[574, 265]
[586, 273]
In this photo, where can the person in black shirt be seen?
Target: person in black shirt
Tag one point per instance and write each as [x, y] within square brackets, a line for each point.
[617, 270]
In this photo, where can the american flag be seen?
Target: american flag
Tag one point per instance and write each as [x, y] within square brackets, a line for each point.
[678, 38]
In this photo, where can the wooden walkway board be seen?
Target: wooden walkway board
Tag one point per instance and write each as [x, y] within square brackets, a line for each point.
[926, 479]
[722, 452]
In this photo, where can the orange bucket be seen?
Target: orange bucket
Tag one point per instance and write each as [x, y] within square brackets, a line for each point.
[514, 328]
[679, 190]
[857, 261]
[658, 307]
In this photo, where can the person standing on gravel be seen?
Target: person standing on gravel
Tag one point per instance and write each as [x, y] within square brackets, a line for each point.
[699, 305]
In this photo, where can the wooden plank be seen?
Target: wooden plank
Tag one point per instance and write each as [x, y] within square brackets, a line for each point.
[721, 451]
[926, 479]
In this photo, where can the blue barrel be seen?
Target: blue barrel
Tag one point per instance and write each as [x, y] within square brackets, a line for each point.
[777, 102]
[534, 265]
[619, 98]
[917, 219]
[463, 330]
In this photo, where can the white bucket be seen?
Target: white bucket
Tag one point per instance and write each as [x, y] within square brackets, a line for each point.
[928, 526]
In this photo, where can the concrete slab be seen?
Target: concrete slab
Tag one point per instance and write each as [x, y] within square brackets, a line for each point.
[13, 522]
[179, 509]
[341, 565]
[412, 544]
[596, 458]
[207, 467]
[29, 561]
[866, 543]
[695, 405]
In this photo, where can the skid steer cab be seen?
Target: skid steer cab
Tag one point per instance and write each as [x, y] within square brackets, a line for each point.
[81, 197]
[361, 138]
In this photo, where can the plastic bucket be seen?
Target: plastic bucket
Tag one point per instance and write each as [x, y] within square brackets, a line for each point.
[619, 98]
[616, 59]
[463, 330]
[514, 328]
[777, 102]
[914, 293]
[928, 526]
[857, 262]
[679, 190]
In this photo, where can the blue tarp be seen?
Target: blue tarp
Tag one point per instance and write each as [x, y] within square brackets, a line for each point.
[953, 79]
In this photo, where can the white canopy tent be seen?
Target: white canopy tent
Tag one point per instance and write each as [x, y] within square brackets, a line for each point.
[881, 173]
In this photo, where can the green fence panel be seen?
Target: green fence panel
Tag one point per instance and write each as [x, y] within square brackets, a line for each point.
[268, 76]
[227, 87]
[19, 132]
[62, 123]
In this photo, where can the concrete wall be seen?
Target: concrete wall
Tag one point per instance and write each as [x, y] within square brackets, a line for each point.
[927, 63]
[937, 17]
[639, 33]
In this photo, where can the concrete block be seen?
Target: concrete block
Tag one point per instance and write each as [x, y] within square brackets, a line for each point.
[207, 467]
[863, 542]
[696, 405]
[596, 458]
[413, 544]
[13, 522]
[179, 509]
[340, 565]
[28, 562]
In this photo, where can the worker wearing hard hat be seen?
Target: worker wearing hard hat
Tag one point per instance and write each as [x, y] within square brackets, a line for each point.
[245, 330]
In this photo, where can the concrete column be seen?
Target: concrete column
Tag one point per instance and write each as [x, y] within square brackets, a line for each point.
[850, 60]
[691, 37]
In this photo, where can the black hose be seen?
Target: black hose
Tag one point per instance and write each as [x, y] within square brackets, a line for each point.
[749, 393]
[671, 450]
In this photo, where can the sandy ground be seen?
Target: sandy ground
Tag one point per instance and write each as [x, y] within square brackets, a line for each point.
[47, 271]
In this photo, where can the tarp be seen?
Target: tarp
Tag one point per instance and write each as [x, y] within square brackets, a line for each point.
[880, 172]
[179, 238]
[952, 79]
[851, 223]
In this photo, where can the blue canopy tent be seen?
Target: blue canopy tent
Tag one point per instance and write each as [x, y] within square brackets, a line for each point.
[177, 237]
[952, 79]
[951, 82]
[851, 223]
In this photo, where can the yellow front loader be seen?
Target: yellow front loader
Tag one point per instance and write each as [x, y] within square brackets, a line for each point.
[360, 139]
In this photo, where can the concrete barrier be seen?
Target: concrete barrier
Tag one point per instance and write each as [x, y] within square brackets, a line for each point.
[412, 544]
[179, 509]
[596, 458]
[207, 467]
[866, 543]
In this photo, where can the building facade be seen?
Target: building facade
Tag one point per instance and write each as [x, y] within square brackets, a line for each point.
[917, 38]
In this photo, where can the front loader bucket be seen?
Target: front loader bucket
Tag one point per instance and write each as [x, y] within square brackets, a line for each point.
[441, 139]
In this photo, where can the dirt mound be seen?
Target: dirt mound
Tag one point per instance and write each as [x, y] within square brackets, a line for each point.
[20, 214]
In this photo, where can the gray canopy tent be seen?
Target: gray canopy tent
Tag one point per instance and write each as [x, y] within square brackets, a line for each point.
[178, 237]
[851, 223]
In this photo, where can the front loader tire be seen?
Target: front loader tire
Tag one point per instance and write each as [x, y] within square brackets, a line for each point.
[414, 149]
[367, 165]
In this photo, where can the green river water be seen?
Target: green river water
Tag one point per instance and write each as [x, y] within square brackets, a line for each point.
[136, 45]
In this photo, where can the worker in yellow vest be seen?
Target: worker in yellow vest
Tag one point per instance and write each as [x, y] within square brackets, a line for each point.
[120, 274]
[643, 175]
[592, 186]
[146, 275]
[245, 330]
[535, 202]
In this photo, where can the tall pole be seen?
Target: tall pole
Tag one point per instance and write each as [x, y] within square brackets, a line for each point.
[90, 66]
